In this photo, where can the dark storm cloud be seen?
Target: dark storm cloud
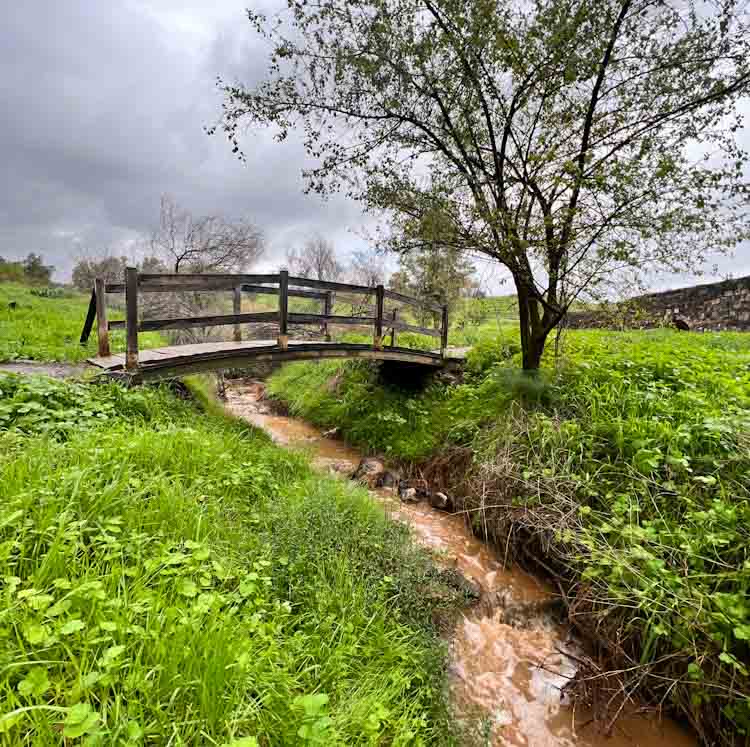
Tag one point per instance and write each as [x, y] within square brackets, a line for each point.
[105, 106]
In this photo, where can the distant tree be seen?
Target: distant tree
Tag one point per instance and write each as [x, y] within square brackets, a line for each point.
[437, 274]
[87, 269]
[11, 271]
[316, 259]
[152, 265]
[35, 271]
[368, 267]
[208, 243]
[563, 138]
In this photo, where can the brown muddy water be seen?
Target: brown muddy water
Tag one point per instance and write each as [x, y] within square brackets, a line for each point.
[505, 679]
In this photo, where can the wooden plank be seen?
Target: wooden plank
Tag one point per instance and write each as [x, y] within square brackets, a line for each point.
[268, 290]
[117, 324]
[444, 332]
[148, 325]
[274, 291]
[200, 282]
[413, 301]
[235, 358]
[237, 310]
[90, 316]
[362, 321]
[102, 330]
[131, 318]
[283, 309]
[327, 311]
[379, 300]
[394, 319]
[329, 285]
[403, 327]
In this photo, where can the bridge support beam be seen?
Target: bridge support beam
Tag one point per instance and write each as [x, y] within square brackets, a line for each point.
[102, 326]
[237, 310]
[444, 332]
[283, 338]
[379, 301]
[131, 318]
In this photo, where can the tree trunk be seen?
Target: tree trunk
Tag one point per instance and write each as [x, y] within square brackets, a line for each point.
[533, 333]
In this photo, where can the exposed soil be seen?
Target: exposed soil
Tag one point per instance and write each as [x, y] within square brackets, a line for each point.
[511, 655]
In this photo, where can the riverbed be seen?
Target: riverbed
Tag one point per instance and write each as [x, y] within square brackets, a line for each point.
[506, 675]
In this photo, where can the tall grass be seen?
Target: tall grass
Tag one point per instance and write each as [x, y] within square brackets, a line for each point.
[626, 463]
[174, 577]
[48, 328]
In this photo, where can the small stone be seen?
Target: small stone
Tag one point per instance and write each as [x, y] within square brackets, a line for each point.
[441, 501]
[369, 471]
[409, 495]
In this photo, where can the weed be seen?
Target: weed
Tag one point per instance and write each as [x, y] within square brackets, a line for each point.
[172, 576]
[628, 461]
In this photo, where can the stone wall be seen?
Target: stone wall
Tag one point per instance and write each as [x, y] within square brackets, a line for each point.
[715, 306]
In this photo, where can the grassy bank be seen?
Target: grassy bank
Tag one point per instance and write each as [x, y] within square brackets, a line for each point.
[43, 327]
[171, 576]
[625, 470]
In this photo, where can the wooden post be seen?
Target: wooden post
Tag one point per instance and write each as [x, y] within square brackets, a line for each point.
[327, 310]
[131, 318]
[102, 328]
[379, 298]
[283, 339]
[237, 308]
[444, 332]
[393, 328]
[90, 316]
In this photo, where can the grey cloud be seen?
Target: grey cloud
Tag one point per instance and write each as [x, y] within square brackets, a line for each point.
[104, 109]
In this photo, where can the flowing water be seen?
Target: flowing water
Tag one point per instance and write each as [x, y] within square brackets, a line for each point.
[505, 679]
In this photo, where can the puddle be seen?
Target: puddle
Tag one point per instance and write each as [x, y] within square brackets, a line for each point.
[505, 679]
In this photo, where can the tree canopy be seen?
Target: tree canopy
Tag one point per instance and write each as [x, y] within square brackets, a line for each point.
[566, 139]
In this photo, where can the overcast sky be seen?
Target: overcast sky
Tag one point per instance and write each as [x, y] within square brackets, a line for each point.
[104, 106]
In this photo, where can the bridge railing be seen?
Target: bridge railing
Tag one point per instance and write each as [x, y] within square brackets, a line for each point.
[279, 284]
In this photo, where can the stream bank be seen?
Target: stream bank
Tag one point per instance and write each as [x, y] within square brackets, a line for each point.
[510, 657]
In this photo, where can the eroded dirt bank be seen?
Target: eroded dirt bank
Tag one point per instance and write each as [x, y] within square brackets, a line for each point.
[510, 656]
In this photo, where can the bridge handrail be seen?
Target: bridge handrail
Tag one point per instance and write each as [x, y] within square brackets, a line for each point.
[273, 284]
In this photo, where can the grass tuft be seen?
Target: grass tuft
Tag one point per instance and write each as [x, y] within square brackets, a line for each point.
[173, 576]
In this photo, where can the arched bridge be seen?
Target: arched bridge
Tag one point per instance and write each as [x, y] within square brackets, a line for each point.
[390, 314]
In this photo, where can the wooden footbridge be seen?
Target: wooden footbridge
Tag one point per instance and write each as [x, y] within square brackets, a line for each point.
[175, 360]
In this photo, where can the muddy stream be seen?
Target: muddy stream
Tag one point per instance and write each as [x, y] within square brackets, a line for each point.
[505, 674]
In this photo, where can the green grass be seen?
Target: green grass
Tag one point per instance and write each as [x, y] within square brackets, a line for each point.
[627, 464]
[48, 328]
[172, 576]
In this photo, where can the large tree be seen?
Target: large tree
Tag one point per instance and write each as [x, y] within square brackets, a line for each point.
[206, 243]
[564, 138]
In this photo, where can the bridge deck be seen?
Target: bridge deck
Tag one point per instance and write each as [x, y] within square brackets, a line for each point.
[159, 363]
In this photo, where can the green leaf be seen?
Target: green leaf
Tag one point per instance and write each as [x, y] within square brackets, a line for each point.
[35, 633]
[111, 654]
[312, 705]
[35, 683]
[72, 626]
[135, 732]
[187, 588]
[81, 719]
